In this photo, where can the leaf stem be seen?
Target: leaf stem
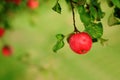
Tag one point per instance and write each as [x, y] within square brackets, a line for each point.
[73, 13]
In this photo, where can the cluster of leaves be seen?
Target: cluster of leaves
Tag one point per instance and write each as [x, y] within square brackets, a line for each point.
[90, 13]
[114, 18]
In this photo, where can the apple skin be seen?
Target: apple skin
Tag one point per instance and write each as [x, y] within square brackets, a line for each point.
[80, 42]
[7, 50]
[32, 4]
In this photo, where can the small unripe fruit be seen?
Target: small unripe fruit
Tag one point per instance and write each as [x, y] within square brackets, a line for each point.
[33, 4]
[7, 51]
[2, 32]
[80, 42]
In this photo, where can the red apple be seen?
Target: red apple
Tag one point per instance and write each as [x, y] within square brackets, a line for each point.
[32, 4]
[80, 42]
[7, 51]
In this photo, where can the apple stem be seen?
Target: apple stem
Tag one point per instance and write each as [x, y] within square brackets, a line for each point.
[73, 14]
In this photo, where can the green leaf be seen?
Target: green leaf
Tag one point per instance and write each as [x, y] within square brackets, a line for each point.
[60, 36]
[95, 11]
[116, 3]
[84, 16]
[103, 41]
[60, 43]
[57, 8]
[95, 30]
[112, 20]
[100, 14]
[94, 2]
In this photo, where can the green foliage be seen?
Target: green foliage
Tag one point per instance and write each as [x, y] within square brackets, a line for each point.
[112, 20]
[90, 13]
[90, 16]
[103, 41]
[60, 43]
[95, 11]
[57, 7]
[84, 16]
[101, 63]
[116, 3]
[95, 30]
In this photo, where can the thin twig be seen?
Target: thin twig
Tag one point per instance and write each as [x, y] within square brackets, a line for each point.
[73, 13]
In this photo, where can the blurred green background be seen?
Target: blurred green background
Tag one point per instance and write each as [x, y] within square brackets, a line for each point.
[33, 36]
